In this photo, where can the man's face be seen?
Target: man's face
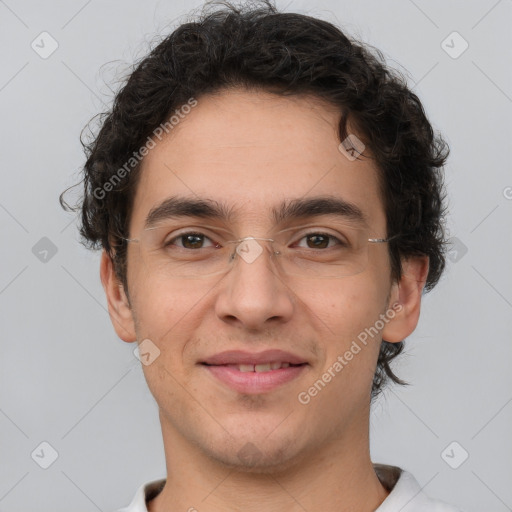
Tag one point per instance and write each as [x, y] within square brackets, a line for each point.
[253, 152]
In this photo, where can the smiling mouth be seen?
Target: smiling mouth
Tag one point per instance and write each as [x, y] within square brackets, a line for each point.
[257, 368]
[257, 378]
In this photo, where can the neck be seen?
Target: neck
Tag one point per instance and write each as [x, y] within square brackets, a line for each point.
[335, 477]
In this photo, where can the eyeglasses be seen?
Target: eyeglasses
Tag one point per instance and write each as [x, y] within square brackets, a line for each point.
[332, 251]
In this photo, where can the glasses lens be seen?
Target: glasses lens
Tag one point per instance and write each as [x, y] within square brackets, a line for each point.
[335, 251]
[171, 252]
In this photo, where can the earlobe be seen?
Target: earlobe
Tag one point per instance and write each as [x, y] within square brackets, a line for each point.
[405, 299]
[118, 305]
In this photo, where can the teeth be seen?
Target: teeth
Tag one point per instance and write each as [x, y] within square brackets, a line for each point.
[264, 367]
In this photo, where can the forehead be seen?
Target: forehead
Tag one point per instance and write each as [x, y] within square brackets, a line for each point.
[252, 151]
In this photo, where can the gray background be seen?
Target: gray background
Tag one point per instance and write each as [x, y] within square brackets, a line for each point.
[66, 379]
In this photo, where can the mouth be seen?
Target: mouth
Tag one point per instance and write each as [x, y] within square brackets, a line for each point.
[254, 373]
[258, 368]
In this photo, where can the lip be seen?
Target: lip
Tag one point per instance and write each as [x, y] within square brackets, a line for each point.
[254, 382]
[244, 357]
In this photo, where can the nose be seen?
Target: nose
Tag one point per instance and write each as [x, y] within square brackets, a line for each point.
[253, 294]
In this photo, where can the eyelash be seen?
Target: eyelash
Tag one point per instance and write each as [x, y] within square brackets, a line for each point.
[188, 233]
[173, 240]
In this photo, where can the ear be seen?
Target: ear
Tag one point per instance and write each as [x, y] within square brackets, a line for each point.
[118, 305]
[405, 299]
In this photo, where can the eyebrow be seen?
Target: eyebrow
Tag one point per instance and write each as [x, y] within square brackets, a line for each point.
[186, 207]
[317, 206]
[174, 207]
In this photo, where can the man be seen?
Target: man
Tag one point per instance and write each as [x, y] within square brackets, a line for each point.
[268, 197]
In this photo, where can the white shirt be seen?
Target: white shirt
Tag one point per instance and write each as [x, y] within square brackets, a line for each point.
[405, 494]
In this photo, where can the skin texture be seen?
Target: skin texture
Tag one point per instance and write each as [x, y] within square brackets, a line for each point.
[251, 150]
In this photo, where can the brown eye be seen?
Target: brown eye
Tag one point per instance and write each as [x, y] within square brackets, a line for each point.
[317, 241]
[191, 241]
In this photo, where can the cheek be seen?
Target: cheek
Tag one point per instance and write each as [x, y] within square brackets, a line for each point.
[164, 307]
[171, 314]
[345, 306]
[167, 314]
[345, 312]
[161, 317]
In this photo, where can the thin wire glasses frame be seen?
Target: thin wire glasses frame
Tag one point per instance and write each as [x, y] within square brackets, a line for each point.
[344, 259]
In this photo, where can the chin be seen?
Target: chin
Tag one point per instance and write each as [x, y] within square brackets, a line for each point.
[258, 455]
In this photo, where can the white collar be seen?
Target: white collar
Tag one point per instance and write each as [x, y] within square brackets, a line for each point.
[405, 493]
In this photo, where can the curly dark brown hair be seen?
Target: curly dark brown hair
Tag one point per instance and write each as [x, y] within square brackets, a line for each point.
[258, 47]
